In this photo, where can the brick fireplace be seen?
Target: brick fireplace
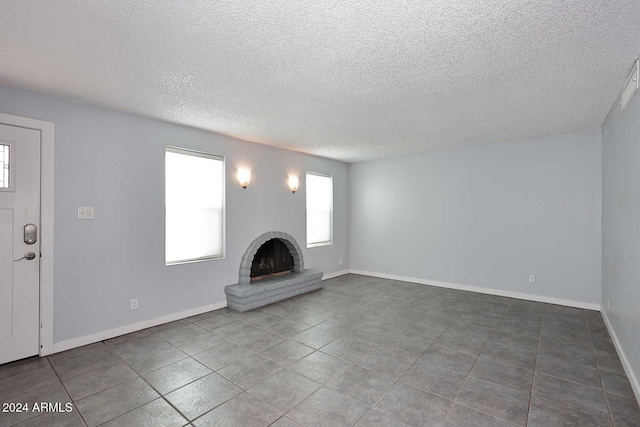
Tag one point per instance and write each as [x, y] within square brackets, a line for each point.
[269, 274]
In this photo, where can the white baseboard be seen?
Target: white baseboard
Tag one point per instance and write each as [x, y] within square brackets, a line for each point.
[489, 291]
[633, 379]
[122, 330]
[335, 274]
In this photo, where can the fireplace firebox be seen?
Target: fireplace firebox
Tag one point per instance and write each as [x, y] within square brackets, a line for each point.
[272, 259]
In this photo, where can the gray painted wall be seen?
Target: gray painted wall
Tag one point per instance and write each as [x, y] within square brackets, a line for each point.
[621, 229]
[485, 216]
[115, 162]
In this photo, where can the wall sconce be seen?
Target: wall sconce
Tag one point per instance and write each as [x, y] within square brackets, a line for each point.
[293, 183]
[244, 177]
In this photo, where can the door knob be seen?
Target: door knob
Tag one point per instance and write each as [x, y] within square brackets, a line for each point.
[28, 256]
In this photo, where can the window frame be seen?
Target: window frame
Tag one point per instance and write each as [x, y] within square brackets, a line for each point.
[12, 170]
[319, 244]
[223, 214]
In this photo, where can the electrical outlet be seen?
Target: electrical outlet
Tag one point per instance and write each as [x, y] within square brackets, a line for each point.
[134, 304]
[532, 278]
[340, 262]
[86, 212]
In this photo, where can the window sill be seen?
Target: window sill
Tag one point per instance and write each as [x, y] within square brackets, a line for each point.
[191, 261]
[319, 245]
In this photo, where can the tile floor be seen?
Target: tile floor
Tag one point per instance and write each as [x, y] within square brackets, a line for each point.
[362, 351]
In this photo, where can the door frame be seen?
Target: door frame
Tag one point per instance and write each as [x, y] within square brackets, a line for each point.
[47, 149]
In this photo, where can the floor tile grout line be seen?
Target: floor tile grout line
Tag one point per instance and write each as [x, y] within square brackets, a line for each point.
[370, 408]
[281, 417]
[245, 389]
[302, 401]
[284, 413]
[373, 410]
[535, 368]
[33, 390]
[604, 391]
[190, 422]
[112, 387]
[138, 376]
[569, 381]
[24, 361]
[624, 396]
[89, 371]
[40, 388]
[108, 388]
[487, 414]
[163, 397]
[73, 402]
[53, 365]
[321, 385]
[173, 363]
[138, 407]
[468, 376]
[563, 406]
[400, 377]
[373, 347]
[345, 360]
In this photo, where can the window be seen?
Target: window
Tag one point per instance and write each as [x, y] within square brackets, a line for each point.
[194, 206]
[4, 166]
[319, 209]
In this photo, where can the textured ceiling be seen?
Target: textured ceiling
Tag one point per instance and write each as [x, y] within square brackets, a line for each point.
[346, 80]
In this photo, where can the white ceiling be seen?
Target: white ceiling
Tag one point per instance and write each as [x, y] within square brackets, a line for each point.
[341, 79]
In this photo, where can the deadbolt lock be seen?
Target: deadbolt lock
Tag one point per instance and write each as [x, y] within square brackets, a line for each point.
[30, 234]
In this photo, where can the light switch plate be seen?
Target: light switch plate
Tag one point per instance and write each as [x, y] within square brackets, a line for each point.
[85, 212]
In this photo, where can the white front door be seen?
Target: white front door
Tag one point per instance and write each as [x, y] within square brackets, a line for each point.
[19, 242]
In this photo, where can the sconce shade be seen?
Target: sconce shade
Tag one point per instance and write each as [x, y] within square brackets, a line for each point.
[244, 177]
[293, 183]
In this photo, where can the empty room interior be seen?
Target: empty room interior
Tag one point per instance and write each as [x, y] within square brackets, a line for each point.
[316, 213]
